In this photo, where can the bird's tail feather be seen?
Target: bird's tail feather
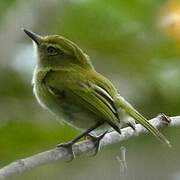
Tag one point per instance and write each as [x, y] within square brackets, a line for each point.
[122, 103]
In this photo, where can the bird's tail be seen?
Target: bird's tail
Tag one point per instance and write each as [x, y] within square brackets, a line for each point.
[122, 103]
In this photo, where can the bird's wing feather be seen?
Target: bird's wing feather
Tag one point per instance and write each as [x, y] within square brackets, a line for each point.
[89, 96]
[92, 100]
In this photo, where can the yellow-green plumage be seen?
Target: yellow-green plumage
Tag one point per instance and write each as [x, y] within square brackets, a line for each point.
[66, 83]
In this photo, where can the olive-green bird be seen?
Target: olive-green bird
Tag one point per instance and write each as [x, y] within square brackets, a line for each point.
[66, 83]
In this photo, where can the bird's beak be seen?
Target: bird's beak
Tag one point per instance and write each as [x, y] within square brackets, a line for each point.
[35, 37]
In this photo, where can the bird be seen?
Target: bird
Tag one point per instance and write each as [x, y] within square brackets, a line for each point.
[66, 84]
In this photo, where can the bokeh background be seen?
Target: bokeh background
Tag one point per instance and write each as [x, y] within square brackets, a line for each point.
[136, 44]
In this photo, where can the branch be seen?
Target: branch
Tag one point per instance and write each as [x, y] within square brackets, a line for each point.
[79, 148]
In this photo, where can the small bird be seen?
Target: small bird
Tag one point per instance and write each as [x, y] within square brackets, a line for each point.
[66, 83]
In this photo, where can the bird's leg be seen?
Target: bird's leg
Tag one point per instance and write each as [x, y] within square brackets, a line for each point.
[96, 140]
[69, 144]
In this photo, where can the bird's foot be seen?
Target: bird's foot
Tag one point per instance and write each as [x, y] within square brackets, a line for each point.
[132, 125]
[68, 147]
[96, 140]
[165, 119]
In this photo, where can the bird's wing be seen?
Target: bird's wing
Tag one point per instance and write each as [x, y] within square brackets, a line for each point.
[99, 101]
[90, 96]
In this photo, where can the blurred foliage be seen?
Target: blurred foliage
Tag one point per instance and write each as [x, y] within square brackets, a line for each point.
[4, 5]
[127, 42]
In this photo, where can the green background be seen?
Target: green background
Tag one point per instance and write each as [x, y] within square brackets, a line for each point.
[125, 43]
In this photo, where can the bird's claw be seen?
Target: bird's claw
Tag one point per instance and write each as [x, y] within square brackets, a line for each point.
[132, 125]
[165, 119]
[96, 140]
[68, 147]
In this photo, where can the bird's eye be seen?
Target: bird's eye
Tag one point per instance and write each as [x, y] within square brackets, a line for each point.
[52, 51]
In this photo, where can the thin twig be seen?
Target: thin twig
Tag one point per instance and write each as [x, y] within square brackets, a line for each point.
[121, 158]
[55, 154]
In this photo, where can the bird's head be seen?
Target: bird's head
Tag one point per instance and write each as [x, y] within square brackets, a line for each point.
[56, 51]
